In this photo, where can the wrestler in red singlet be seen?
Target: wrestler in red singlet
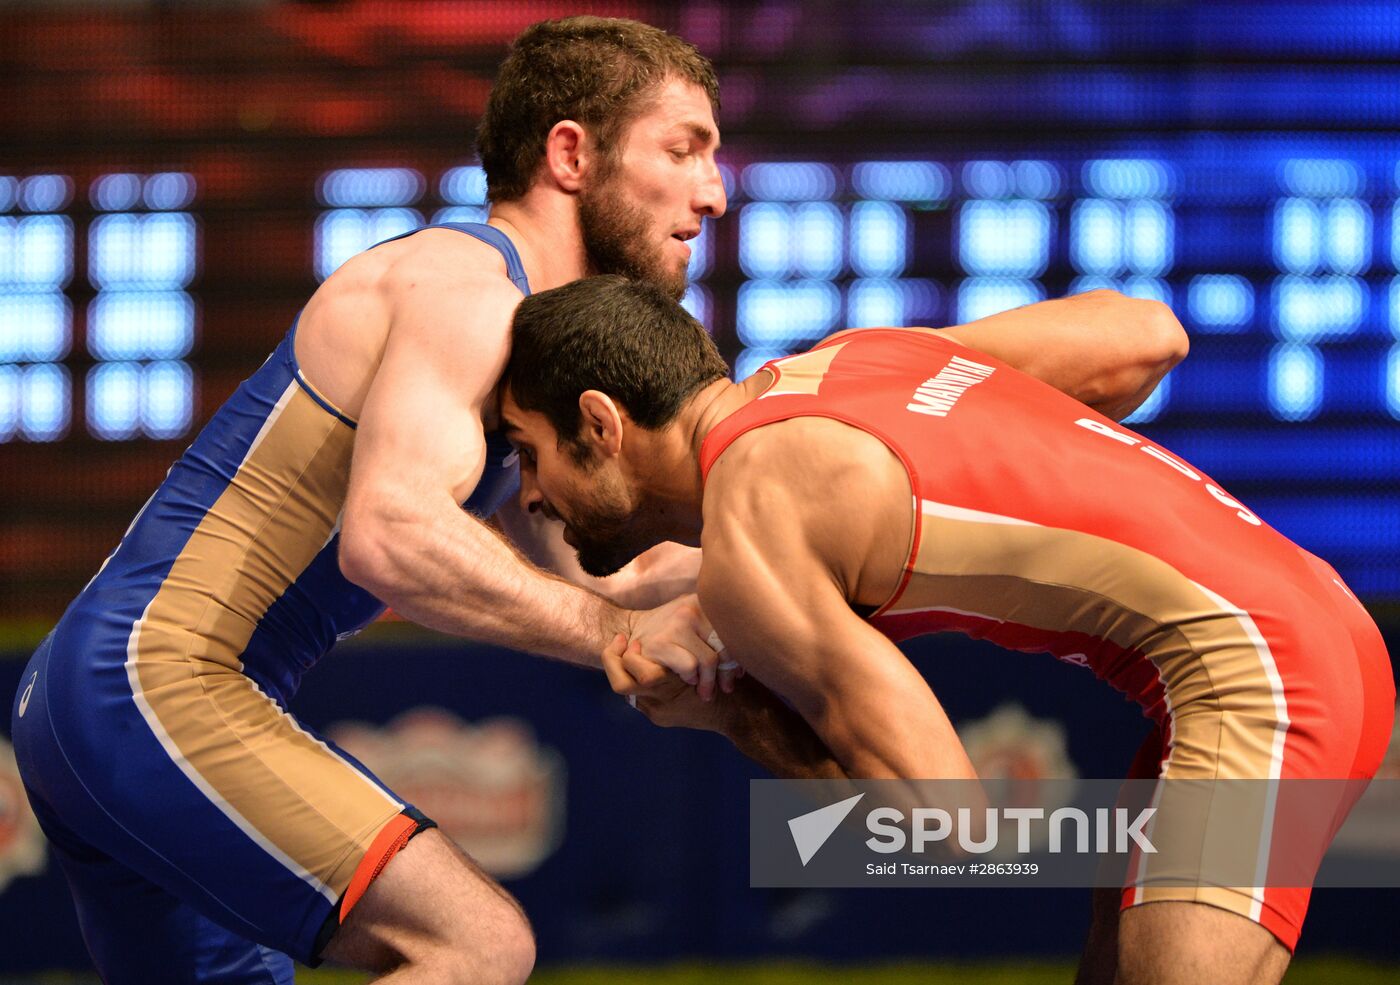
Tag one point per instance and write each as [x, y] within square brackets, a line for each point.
[1043, 526]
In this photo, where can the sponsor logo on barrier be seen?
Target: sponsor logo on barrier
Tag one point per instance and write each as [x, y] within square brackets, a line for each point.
[490, 786]
[22, 847]
[1011, 745]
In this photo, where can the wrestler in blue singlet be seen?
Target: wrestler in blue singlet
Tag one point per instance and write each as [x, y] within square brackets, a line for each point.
[205, 833]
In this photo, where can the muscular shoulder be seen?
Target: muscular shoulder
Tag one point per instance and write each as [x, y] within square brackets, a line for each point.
[837, 489]
[441, 287]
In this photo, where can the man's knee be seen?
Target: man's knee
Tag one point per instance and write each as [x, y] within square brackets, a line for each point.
[1171, 942]
[491, 946]
[433, 910]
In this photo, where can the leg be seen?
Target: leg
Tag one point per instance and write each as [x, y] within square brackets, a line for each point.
[1179, 943]
[1099, 963]
[139, 934]
[432, 916]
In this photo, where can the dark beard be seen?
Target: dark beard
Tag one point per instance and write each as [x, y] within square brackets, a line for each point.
[602, 556]
[615, 236]
[600, 532]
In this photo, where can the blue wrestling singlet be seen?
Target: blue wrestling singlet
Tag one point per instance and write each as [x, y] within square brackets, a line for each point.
[202, 829]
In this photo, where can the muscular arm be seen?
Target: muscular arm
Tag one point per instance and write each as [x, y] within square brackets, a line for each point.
[419, 451]
[781, 568]
[1102, 348]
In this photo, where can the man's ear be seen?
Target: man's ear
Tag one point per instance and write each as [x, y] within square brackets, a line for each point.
[569, 154]
[602, 422]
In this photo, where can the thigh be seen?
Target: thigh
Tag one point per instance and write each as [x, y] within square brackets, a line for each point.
[1167, 943]
[205, 788]
[137, 933]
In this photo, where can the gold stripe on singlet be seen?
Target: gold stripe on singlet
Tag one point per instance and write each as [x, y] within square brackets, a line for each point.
[287, 790]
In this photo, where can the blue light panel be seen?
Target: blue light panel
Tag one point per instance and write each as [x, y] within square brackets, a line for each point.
[1298, 235]
[1395, 235]
[1220, 303]
[1036, 179]
[1127, 179]
[41, 252]
[1148, 237]
[133, 251]
[1147, 288]
[44, 193]
[1346, 236]
[819, 240]
[1011, 238]
[776, 314]
[879, 239]
[789, 182]
[116, 192]
[9, 401]
[34, 327]
[1319, 178]
[765, 240]
[979, 297]
[871, 303]
[168, 190]
[114, 401]
[1295, 382]
[901, 181]
[459, 186]
[988, 179]
[167, 399]
[874, 302]
[141, 325]
[363, 187]
[1096, 237]
[343, 233]
[1307, 309]
[44, 402]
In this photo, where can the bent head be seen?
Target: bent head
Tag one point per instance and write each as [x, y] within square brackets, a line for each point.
[621, 115]
[595, 366]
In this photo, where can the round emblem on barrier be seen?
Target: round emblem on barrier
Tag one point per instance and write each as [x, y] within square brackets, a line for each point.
[491, 787]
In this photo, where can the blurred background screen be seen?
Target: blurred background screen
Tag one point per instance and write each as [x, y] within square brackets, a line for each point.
[177, 178]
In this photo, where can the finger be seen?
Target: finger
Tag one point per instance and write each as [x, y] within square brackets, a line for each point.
[646, 672]
[618, 678]
[728, 672]
[671, 654]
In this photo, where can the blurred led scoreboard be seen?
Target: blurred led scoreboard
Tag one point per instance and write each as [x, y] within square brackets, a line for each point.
[175, 183]
[1290, 291]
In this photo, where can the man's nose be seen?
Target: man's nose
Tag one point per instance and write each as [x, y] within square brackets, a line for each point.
[710, 198]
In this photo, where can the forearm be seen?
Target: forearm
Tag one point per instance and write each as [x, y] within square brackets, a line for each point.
[666, 571]
[446, 570]
[1102, 348]
[774, 736]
